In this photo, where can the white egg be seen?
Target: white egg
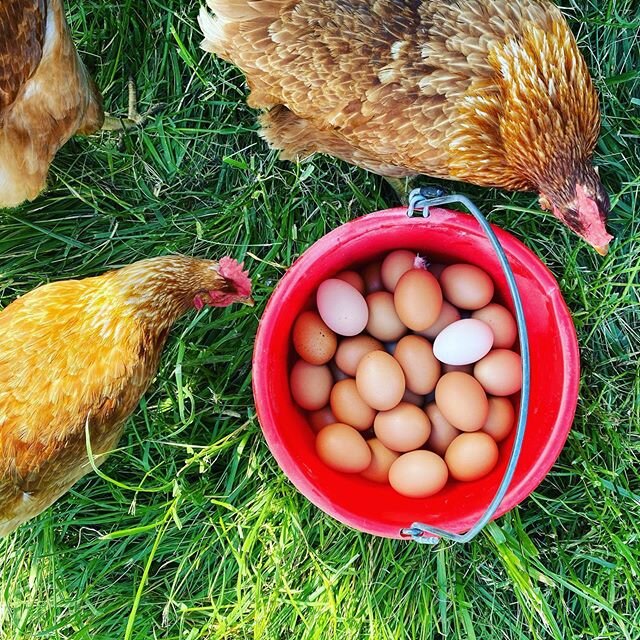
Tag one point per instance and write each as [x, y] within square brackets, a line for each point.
[463, 342]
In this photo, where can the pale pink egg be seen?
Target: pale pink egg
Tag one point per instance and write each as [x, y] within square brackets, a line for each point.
[342, 307]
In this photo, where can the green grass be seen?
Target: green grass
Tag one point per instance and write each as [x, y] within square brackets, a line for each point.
[194, 532]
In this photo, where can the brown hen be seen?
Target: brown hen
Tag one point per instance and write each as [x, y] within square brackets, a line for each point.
[76, 356]
[46, 96]
[492, 92]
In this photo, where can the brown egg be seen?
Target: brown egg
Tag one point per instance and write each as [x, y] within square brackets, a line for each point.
[372, 277]
[499, 372]
[354, 279]
[465, 368]
[348, 407]
[502, 323]
[321, 418]
[462, 401]
[351, 350]
[403, 428]
[418, 474]
[448, 315]
[471, 456]
[421, 368]
[413, 398]
[381, 460]
[500, 420]
[466, 286]
[442, 433]
[395, 265]
[384, 322]
[342, 448]
[310, 385]
[312, 339]
[380, 380]
[418, 299]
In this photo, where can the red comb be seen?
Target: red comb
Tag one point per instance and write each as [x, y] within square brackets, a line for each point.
[231, 270]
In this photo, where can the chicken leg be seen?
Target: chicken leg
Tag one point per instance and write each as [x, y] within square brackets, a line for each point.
[134, 117]
[402, 187]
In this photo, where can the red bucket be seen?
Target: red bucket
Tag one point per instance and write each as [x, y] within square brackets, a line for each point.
[446, 236]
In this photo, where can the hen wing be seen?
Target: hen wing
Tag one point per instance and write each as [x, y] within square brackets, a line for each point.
[60, 373]
[22, 30]
[386, 76]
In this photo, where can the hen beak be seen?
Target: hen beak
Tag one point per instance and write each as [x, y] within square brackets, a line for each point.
[602, 250]
[248, 301]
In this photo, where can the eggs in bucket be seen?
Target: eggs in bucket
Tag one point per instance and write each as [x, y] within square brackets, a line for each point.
[369, 403]
[354, 253]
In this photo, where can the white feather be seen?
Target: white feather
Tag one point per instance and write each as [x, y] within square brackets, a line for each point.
[213, 30]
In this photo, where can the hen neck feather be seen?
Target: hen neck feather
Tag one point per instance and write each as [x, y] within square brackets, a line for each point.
[153, 294]
[536, 121]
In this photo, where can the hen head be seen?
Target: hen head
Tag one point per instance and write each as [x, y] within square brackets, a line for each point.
[579, 200]
[229, 284]
[551, 126]
[159, 290]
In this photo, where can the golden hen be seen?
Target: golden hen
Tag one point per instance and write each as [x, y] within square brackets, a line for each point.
[78, 355]
[46, 96]
[492, 92]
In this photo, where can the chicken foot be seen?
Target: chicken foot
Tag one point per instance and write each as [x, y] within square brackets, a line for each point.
[134, 117]
[402, 187]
